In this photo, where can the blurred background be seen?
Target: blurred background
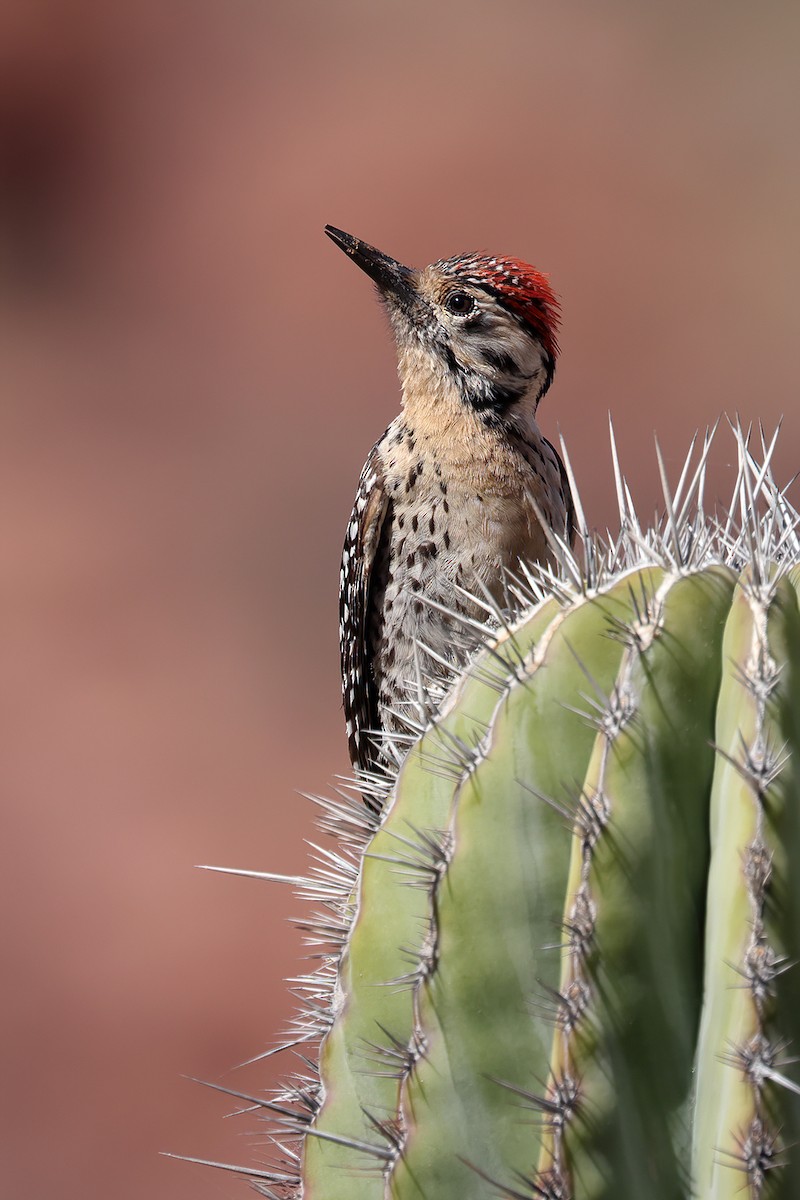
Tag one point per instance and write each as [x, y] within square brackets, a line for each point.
[190, 378]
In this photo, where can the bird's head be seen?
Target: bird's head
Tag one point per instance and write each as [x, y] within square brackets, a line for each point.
[484, 326]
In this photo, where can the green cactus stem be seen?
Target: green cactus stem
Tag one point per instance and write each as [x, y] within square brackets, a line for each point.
[563, 963]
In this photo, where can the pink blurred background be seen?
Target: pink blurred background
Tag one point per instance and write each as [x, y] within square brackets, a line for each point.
[191, 377]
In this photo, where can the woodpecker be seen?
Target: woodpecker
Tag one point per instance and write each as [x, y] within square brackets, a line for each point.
[450, 497]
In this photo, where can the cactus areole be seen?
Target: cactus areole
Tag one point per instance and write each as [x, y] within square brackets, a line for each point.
[565, 965]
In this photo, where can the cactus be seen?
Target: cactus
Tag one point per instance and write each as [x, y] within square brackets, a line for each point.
[562, 965]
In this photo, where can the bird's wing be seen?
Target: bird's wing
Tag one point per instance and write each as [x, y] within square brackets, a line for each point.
[566, 491]
[361, 552]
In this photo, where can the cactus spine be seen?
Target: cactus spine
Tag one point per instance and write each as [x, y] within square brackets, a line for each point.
[563, 966]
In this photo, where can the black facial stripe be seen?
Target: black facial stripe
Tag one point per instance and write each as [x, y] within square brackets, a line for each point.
[501, 362]
[482, 394]
[453, 365]
[487, 397]
[549, 364]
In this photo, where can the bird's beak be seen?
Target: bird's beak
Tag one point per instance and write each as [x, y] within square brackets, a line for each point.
[393, 279]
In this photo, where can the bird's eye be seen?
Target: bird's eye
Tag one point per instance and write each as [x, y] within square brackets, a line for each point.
[460, 303]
